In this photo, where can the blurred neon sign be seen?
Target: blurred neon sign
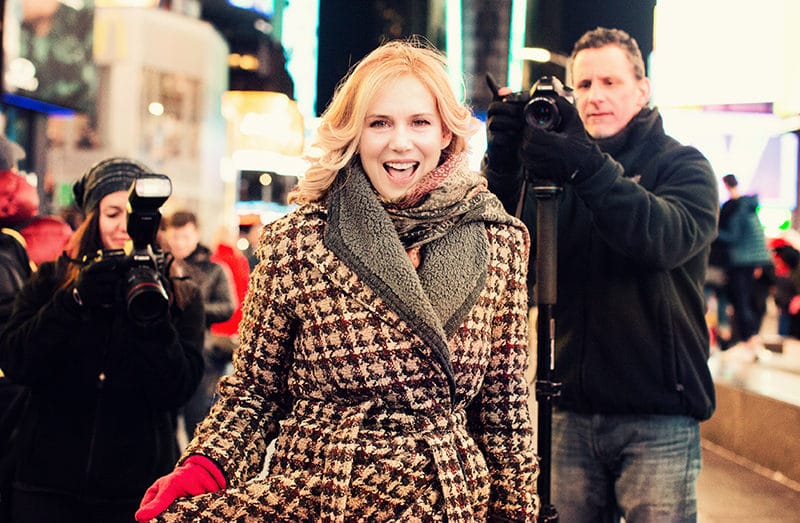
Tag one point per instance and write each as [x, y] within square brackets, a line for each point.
[265, 7]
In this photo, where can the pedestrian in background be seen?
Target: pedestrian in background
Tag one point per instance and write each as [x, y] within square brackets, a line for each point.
[225, 334]
[99, 426]
[182, 236]
[19, 201]
[743, 235]
[45, 235]
[384, 338]
[636, 216]
[787, 287]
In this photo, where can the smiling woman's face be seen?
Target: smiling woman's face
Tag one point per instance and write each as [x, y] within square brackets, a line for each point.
[402, 138]
[113, 220]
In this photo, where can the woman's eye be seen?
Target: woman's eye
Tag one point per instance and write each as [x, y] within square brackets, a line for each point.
[421, 122]
[379, 123]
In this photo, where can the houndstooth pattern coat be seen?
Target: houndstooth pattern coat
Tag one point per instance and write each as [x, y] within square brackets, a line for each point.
[394, 394]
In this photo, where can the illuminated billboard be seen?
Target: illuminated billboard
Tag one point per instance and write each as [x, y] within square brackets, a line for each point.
[48, 62]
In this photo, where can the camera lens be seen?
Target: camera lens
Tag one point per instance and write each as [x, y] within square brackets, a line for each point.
[145, 296]
[542, 112]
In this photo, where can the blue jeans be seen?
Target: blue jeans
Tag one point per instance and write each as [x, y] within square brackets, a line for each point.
[643, 468]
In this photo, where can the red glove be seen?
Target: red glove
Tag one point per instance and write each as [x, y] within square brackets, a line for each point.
[197, 475]
[794, 305]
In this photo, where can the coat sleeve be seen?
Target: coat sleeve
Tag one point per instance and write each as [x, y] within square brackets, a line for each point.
[161, 362]
[506, 185]
[661, 228]
[32, 341]
[255, 397]
[499, 417]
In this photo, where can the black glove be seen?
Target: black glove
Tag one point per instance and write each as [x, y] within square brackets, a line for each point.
[564, 156]
[504, 126]
[98, 284]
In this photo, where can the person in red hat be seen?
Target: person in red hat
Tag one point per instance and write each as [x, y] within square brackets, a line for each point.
[19, 202]
[45, 236]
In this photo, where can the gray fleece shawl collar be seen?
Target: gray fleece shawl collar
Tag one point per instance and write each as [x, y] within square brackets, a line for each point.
[434, 300]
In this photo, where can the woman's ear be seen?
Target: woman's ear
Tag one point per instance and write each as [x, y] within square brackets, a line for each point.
[447, 137]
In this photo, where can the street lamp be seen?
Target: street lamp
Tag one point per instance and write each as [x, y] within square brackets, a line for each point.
[544, 56]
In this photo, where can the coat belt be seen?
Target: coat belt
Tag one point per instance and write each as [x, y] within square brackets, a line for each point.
[439, 430]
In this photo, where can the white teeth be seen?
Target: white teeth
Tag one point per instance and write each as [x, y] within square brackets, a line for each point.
[401, 166]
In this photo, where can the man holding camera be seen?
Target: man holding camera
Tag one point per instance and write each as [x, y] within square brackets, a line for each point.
[637, 212]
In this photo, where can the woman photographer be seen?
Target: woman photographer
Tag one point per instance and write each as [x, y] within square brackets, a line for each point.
[384, 334]
[100, 424]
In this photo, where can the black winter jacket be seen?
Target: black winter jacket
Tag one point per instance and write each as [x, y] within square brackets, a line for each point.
[741, 232]
[632, 252]
[215, 285]
[100, 424]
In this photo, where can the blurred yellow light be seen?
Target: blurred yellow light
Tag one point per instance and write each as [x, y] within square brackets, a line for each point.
[248, 62]
[263, 120]
[155, 108]
[537, 54]
[126, 3]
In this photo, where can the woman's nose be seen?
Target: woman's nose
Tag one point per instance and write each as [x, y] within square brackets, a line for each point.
[401, 140]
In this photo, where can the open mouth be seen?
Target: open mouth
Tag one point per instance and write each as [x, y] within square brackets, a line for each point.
[400, 171]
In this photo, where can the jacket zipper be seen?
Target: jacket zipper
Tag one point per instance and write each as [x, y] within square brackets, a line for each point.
[101, 380]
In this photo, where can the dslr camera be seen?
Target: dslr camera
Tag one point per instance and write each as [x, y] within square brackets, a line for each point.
[541, 110]
[143, 291]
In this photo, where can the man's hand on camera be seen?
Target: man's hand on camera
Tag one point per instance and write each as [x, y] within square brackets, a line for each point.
[504, 128]
[568, 155]
[98, 284]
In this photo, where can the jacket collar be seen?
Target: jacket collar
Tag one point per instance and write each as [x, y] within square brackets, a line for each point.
[433, 300]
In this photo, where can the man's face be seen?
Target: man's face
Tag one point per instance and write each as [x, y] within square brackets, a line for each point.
[182, 241]
[607, 93]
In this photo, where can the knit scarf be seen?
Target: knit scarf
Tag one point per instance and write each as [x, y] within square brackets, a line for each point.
[449, 195]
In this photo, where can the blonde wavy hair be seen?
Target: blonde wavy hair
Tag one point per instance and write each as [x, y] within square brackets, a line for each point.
[343, 119]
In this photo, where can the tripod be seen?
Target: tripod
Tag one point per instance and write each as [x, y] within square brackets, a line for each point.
[546, 193]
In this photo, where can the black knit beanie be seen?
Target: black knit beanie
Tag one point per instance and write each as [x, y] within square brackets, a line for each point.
[103, 178]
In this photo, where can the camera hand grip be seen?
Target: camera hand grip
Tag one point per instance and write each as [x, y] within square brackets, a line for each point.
[98, 283]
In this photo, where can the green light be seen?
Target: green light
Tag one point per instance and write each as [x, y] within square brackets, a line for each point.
[516, 40]
[454, 38]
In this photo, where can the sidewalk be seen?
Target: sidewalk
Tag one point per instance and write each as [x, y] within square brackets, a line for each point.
[731, 490]
[758, 415]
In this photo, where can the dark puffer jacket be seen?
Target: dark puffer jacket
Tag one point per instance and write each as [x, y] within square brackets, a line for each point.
[100, 422]
[742, 233]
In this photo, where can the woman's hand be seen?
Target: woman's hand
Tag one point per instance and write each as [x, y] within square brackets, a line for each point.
[197, 475]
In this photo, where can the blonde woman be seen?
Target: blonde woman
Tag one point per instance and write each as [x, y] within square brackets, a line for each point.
[383, 340]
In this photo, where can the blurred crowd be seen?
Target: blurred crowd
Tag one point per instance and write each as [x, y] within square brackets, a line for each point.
[748, 273]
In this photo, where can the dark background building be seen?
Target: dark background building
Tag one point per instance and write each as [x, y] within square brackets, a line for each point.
[250, 33]
[349, 29]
